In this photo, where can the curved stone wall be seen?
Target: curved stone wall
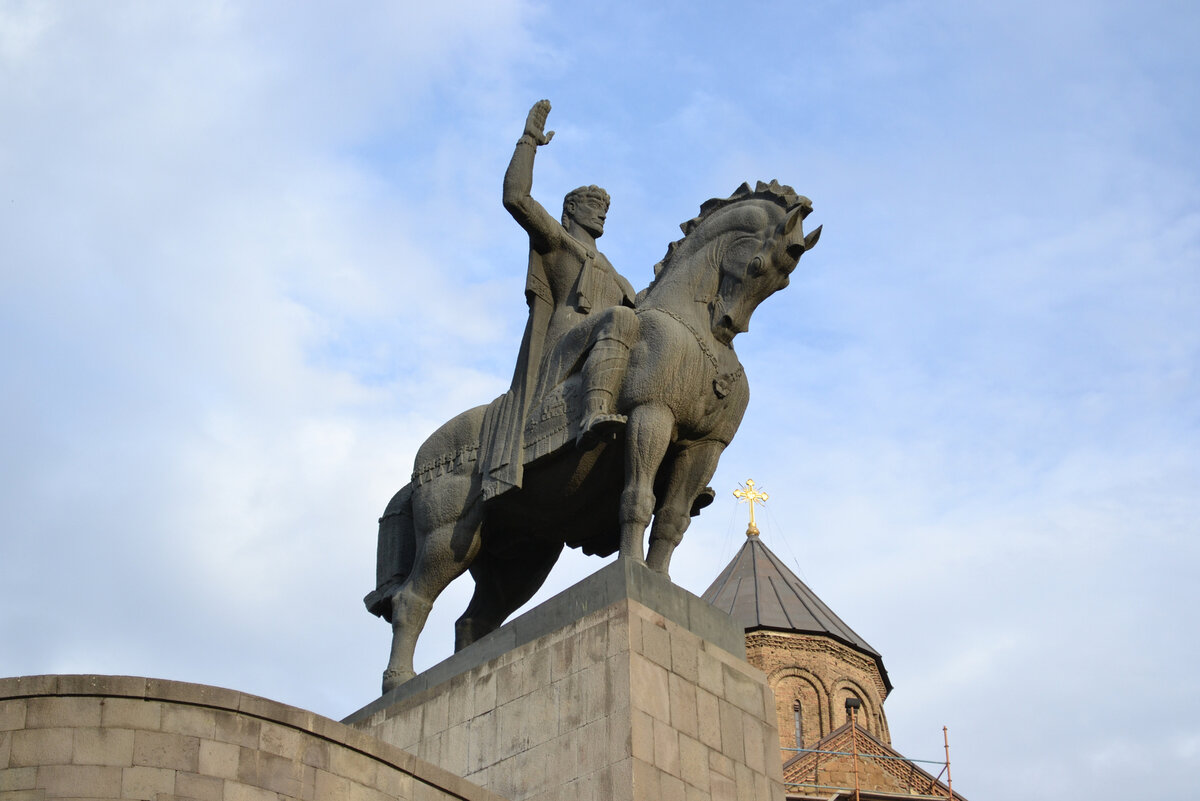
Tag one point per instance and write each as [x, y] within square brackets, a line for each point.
[120, 737]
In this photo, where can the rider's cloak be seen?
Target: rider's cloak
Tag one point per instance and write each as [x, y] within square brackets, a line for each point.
[596, 286]
[502, 444]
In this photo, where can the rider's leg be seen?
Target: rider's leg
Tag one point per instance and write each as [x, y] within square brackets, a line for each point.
[604, 371]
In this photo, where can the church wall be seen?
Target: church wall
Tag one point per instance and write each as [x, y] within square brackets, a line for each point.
[821, 673]
[792, 684]
[120, 737]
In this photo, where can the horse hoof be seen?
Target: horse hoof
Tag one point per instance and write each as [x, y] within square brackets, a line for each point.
[394, 678]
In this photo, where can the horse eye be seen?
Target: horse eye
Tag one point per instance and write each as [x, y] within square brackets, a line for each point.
[756, 266]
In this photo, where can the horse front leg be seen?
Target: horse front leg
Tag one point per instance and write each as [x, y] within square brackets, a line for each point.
[647, 435]
[690, 471]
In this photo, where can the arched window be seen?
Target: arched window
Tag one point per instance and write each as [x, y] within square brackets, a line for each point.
[798, 719]
[852, 698]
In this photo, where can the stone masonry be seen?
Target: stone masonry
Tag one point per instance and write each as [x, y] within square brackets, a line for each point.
[621, 700]
[120, 737]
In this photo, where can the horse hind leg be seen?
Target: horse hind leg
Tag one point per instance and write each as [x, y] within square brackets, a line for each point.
[502, 586]
[446, 545]
[409, 613]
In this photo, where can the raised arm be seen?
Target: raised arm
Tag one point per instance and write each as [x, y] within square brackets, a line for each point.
[544, 231]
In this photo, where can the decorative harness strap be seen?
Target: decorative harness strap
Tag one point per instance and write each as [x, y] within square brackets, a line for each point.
[722, 382]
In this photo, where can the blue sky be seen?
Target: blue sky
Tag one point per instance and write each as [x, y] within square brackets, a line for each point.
[252, 254]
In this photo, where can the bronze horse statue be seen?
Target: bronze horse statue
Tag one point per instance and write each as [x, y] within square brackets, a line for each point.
[684, 393]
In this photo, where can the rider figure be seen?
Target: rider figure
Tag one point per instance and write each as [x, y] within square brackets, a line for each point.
[568, 282]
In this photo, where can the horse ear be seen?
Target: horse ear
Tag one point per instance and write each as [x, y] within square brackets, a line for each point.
[793, 219]
[812, 238]
[792, 244]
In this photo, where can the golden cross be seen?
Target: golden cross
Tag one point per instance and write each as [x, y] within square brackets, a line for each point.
[751, 496]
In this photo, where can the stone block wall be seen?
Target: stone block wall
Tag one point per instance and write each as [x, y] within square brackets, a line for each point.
[120, 737]
[621, 703]
[701, 717]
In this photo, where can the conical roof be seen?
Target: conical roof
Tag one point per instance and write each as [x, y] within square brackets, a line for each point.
[759, 592]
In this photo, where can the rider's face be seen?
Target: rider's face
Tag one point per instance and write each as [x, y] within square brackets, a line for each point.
[589, 213]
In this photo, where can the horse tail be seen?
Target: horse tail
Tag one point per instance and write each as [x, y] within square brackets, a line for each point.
[396, 550]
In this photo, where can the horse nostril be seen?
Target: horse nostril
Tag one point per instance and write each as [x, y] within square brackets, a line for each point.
[730, 325]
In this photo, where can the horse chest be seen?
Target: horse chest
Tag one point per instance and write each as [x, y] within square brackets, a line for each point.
[723, 372]
[722, 389]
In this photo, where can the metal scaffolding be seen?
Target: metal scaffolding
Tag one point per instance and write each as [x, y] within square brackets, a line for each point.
[919, 783]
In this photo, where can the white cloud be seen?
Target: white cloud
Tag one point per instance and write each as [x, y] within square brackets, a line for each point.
[231, 236]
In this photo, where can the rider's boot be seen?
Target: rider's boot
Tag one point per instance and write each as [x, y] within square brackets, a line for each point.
[602, 376]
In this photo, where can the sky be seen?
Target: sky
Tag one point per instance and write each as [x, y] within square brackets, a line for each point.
[253, 254]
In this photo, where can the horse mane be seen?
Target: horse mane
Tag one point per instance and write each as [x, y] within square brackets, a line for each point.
[780, 194]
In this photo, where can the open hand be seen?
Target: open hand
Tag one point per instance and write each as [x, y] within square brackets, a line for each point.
[535, 123]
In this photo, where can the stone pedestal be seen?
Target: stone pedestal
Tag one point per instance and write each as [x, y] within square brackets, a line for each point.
[622, 687]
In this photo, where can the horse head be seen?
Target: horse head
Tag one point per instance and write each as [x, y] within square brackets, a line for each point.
[737, 252]
[764, 263]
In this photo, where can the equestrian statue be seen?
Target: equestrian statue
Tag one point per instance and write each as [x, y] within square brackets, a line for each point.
[619, 408]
